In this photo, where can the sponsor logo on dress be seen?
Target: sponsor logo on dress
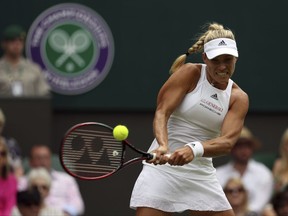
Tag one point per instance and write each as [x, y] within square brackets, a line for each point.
[211, 106]
[214, 96]
[73, 45]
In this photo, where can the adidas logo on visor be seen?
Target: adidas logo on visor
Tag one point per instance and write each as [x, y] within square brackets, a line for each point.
[222, 43]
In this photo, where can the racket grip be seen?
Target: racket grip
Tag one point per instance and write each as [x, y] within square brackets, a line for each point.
[153, 156]
[168, 155]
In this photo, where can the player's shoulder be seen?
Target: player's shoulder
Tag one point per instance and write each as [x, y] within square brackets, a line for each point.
[190, 68]
[239, 96]
[187, 72]
[238, 92]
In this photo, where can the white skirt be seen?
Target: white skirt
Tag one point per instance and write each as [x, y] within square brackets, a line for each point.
[164, 191]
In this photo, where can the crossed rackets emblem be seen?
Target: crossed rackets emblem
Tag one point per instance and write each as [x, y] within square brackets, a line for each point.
[69, 46]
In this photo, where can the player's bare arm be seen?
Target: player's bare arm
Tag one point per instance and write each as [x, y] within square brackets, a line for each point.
[169, 97]
[231, 127]
[231, 130]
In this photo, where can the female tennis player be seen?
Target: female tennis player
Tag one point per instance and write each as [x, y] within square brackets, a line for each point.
[200, 113]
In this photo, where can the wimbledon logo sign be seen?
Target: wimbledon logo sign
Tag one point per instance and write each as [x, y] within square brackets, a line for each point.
[74, 47]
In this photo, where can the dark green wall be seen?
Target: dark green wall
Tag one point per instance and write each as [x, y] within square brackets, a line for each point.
[150, 34]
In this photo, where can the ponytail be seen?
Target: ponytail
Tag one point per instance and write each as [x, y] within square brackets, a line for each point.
[215, 30]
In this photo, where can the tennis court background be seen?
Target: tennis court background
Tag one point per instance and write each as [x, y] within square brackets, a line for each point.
[148, 36]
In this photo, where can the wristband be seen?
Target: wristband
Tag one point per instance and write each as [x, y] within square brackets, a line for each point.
[197, 148]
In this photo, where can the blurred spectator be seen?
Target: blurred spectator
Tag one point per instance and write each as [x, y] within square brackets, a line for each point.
[280, 172]
[19, 76]
[256, 177]
[40, 178]
[13, 147]
[8, 182]
[268, 210]
[280, 168]
[28, 203]
[238, 197]
[280, 202]
[64, 192]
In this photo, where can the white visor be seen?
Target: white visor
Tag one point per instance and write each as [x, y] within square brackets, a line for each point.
[220, 46]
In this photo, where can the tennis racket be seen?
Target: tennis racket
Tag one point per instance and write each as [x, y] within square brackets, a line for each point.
[90, 152]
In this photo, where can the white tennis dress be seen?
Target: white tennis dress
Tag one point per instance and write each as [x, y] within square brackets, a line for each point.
[193, 186]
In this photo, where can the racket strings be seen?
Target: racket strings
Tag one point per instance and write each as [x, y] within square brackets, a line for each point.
[91, 153]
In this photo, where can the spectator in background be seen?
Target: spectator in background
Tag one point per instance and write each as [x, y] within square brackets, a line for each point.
[280, 173]
[28, 203]
[280, 168]
[268, 210]
[14, 159]
[237, 196]
[64, 192]
[40, 178]
[280, 202]
[256, 177]
[19, 76]
[8, 182]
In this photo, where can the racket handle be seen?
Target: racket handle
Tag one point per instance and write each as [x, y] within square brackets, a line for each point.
[168, 155]
[153, 156]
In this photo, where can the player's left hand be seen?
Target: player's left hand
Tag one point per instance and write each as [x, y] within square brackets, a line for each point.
[181, 156]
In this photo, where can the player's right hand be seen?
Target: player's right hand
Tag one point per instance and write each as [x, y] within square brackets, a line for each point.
[160, 157]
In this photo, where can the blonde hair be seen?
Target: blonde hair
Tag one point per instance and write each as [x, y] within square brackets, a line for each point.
[37, 173]
[283, 152]
[239, 183]
[6, 169]
[214, 31]
[2, 117]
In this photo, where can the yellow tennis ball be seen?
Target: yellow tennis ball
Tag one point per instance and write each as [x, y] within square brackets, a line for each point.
[120, 132]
